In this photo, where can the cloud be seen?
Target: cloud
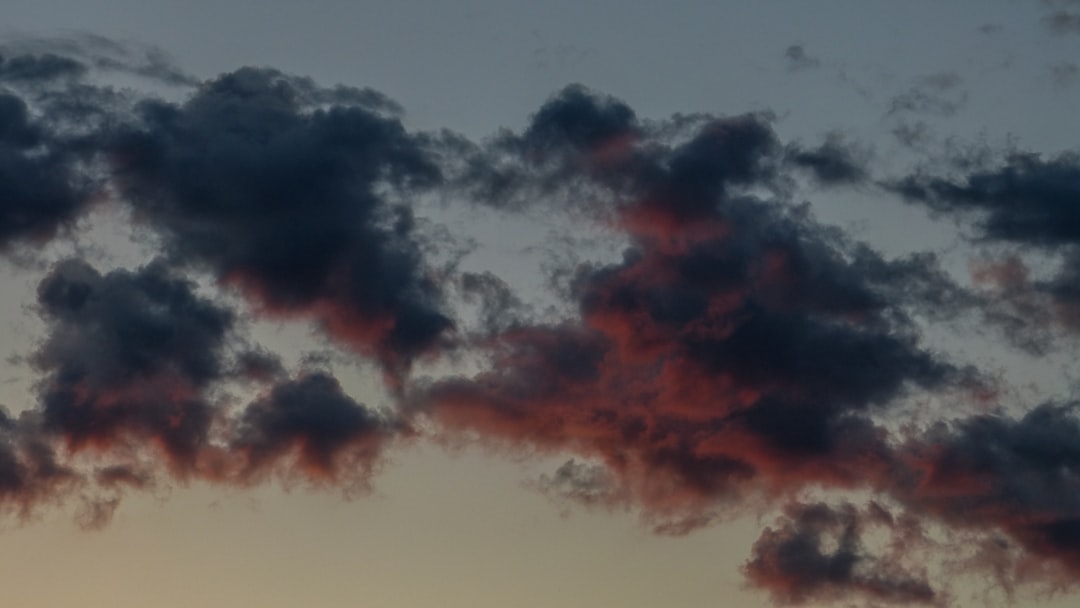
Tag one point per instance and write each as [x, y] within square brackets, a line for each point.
[133, 397]
[310, 425]
[577, 131]
[797, 59]
[25, 68]
[1065, 74]
[30, 473]
[1024, 200]
[581, 483]
[42, 186]
[739, 353]
[499, 306]
[1016, 475]
[576, 119]
[128, 359]
[1062, 22]
[283, 189]
[934, 94]
[75, 54]
[739, 348]
[834, 162]
[793, 563]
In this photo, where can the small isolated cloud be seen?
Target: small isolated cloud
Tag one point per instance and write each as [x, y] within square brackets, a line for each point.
[835, 162]
[1063, 22]
[79, 52]
[587, 484]
[1025, 200]
[1065, 74]
[43, 182]
[798, 59]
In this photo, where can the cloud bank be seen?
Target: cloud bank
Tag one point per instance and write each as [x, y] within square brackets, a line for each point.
[740, 354]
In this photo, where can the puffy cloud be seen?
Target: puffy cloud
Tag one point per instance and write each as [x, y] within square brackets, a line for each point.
[282, 188]
[795, 563]
[128, 357]
[798, 59]
[42, 186]
[834, 162]
[1017, 475]
[738, 348]
[309, 424]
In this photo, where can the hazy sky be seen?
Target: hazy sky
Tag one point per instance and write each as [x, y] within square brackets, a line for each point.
[540, 304]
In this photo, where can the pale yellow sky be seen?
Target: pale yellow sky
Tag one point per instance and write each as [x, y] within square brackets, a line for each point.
[440, 530]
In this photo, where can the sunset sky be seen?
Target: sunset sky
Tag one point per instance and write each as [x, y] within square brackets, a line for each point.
[576, 304]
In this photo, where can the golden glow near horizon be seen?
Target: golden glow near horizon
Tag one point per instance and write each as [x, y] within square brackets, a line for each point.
[439, 530]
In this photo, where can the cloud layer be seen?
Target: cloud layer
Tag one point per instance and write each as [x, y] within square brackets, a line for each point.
[740, 354]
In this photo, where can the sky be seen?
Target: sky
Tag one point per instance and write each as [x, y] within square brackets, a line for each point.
[540, 304]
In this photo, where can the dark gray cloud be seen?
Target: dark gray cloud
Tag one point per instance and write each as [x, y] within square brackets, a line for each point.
[311, 425]
[798, 59]
[938, 94]
[278, 187]
[22, 68]
[581, 141]
[134, 368]
[738, 349]
[834, 162]
[581, 483]
[128, 357]
[793, 563]
[731, 321]
[499, 306]
[114, 476]
[1018, 475]
[577, 131]
[913, 134]
[1063, 22]
[42, 187]
[577, 120]
[77, 53]
[30, 472]
[1024, 200]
